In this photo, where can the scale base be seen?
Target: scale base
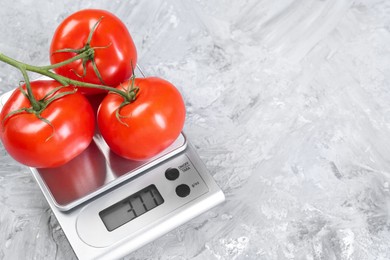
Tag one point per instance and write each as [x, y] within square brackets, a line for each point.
[88, 235]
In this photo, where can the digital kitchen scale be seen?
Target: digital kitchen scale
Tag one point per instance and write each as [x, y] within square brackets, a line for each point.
[108, 206]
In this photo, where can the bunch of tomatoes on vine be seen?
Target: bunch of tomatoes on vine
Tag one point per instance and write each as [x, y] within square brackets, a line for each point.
[48, 122]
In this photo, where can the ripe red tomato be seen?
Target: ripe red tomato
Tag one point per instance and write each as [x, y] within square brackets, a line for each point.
[146, 126]
[35, 143]
[115, 56]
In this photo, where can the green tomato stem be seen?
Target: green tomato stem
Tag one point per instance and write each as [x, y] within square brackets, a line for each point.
[86, 53]
[34, 103]
[46, 71]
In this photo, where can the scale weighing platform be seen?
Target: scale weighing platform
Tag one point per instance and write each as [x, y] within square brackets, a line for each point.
[108, 206]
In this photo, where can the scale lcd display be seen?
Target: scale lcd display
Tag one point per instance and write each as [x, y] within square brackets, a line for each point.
[131, 207]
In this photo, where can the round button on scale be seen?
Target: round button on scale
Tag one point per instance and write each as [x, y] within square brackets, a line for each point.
[172, 174]
[183, 190]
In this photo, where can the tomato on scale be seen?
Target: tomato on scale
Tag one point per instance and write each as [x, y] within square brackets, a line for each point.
[146, 123]
[114, 54]
[51, 134]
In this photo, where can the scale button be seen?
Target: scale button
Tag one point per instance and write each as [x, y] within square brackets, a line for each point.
[183, 190]
[172, 174]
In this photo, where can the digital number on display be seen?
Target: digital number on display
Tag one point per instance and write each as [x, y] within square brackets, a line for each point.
[131, 207]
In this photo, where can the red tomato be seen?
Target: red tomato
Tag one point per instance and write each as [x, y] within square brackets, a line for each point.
[148, 125]
[115, 56]
[35, 143]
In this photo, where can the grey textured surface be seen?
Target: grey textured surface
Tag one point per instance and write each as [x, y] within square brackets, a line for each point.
[288, 106]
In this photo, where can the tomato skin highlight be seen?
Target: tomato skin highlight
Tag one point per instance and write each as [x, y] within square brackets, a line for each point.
[153, 121]
[115, 56]
[35, 143]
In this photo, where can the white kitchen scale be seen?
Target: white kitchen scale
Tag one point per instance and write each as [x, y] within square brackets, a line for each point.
[108, 206]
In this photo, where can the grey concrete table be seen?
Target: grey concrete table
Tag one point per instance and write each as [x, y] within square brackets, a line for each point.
[288, 105]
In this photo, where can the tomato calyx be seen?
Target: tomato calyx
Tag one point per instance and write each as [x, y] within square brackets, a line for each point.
[89, 53]
[129, 95]
[38, 106]
[131, 92]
